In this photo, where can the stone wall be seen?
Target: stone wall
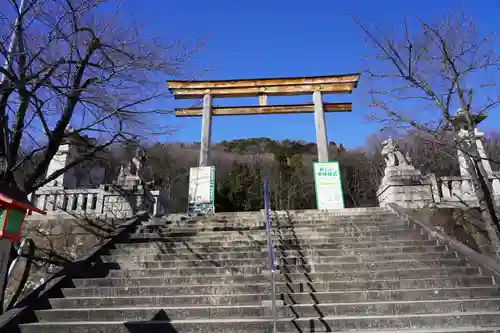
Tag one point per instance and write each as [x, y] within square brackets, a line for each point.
[59, 239]
[464, 225]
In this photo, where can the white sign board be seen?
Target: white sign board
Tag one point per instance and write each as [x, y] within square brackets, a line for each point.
[201, 189]
[328, 185]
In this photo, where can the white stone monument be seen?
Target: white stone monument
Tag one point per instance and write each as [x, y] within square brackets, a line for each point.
[67, 152]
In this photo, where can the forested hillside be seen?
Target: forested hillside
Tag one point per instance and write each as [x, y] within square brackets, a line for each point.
[242, 165]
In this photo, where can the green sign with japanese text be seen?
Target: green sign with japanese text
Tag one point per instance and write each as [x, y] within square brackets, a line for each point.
[328, 184]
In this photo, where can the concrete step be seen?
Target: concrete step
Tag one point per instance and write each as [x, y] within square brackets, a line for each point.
[299, 310]
[365, 258]
[285, 228]
[155, 300]
[273, 215]
[328, 276]
[183, 248]
[237, 253]
[103, 296]
[282, 223]
[330, 232]
[248, 241]
[362, 278]
[450, 322]
[303, 244]
[275, 229]
[358, 211]
[147, 313]
[260, 225]
[458, 321]
[375, 265]
[306, 234]
[429, 246]
[392, 295]
[392, 307]
[214, 267]
[333, 212]
[155, 266]
[263, 284]
[257, 257]
[345, 222]
[352, 231]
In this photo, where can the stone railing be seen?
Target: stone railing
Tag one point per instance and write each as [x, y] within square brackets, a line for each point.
[457, 189]
[74, 200]
[103, 201]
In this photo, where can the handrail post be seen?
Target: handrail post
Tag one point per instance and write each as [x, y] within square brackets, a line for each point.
[270, 250]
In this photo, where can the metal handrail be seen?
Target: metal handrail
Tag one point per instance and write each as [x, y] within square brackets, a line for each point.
[270, 249]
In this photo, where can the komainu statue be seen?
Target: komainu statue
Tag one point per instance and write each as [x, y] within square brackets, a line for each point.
[392, 156]
[130, 172]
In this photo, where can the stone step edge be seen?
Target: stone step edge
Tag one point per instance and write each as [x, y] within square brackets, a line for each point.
[284, 226]
[252, 243]
[300, 264]
[130, 260]
[262, 226]
[264, 250]
[127, 257]
[223, 233]
[309, 273]
[252, 306]
[287, 227]
[268, 319]
[199, 238]
[462, 329]
[284, 283]
[381, 215]
[264, 237]
[267, 294]
[260, 219]
[314, 283]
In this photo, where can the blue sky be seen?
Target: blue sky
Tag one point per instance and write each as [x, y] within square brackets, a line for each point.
[252, 39]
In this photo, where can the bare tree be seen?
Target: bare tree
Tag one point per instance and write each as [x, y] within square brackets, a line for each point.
[422, 75]
[74, 67]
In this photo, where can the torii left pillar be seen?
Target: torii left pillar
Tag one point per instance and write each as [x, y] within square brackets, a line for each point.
[206, 131]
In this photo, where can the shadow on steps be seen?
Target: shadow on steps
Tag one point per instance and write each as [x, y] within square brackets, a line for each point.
[160, 323]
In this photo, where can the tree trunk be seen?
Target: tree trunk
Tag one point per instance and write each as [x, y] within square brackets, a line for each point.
[486, 215]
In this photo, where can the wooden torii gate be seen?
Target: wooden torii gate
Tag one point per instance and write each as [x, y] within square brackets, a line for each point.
[261, 88]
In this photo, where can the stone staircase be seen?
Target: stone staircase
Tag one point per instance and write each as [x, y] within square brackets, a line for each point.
[360, 270]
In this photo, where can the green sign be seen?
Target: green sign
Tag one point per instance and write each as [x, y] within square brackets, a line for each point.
[328, 184]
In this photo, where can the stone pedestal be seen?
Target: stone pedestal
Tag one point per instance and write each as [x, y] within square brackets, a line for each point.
[406, 187]
[122, 202]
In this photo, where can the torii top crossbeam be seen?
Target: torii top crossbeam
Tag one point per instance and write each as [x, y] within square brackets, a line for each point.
[261, 88]
[331, 84]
